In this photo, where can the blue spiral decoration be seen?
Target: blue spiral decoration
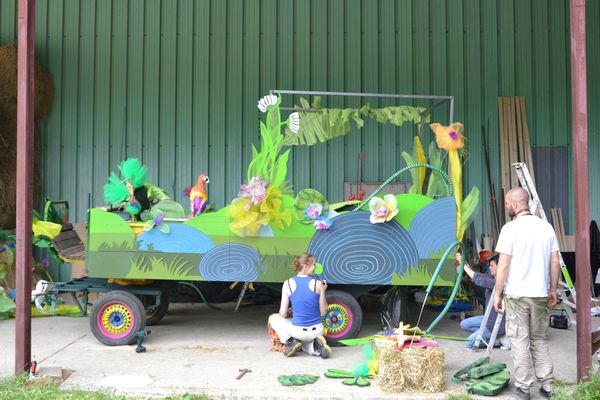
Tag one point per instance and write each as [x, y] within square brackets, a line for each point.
[356, 251]
[434, 227]
[180, 239]
[231, 262]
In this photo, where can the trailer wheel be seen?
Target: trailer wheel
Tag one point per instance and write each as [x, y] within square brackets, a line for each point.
[343, 319]
[394, 308]
[154, 315]
[116, 317]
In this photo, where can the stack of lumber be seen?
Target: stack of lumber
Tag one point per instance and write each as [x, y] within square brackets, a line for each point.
[514, 140]
[559, 228]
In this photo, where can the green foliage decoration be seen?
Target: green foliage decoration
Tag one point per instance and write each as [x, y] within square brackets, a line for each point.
[322, 124]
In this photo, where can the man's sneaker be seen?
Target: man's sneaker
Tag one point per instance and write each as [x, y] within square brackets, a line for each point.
[520, 394]
[292, 347]
[503, 342]
[546, 393]
[321, 346]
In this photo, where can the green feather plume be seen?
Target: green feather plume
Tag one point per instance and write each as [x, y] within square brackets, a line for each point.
[115, 191]
[133, 170]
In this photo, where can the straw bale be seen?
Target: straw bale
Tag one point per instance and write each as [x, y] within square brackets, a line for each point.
[418, 369]
[8, 131]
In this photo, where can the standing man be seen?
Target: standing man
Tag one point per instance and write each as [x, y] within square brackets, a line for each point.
[529, 264]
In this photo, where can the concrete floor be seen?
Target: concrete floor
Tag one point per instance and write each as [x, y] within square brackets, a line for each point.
[199, 350]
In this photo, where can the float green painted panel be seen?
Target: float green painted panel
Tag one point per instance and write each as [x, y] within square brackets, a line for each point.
[177, 83]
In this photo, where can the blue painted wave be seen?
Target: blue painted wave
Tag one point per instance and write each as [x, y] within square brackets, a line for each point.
[231, 262]
[180, 239]
[356, 251]
[433, 228]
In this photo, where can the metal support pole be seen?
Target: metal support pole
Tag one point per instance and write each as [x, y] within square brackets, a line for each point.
[25, 141]
[580, 170]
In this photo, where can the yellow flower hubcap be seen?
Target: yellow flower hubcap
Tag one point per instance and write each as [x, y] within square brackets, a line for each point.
[116, 319]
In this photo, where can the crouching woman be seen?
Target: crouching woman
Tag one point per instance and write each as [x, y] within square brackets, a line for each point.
[304, 331]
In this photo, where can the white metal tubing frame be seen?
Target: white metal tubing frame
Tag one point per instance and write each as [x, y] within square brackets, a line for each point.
[444, 99]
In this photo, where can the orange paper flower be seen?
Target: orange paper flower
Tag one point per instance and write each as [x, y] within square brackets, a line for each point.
[449, 137]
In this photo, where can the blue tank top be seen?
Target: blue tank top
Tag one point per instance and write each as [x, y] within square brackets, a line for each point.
[305, 303]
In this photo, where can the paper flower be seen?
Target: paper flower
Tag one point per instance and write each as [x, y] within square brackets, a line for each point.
[254, 192]
[156, 218]
[248, 217]
[383, 210]
[267, 101]
[314, 210]
[294, 122]
[449, 137]
[323, 223]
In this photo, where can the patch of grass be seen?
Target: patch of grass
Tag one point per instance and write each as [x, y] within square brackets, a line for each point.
[459, 397]
[589, 390]
[123, 246]
[140, 263]
[23, 388]
[419, 275]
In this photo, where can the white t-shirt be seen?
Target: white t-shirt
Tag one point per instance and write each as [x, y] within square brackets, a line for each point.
[529, 241]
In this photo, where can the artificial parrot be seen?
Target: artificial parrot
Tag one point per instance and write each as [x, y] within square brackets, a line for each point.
[198, 196]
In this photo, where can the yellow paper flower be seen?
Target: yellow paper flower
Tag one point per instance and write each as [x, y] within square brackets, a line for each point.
[248, 217]
[449, 137]
[383, 210]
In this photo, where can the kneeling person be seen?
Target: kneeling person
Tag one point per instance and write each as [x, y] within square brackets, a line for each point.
[307, 297]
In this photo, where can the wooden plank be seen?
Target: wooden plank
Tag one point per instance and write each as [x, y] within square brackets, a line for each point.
[514, 181]
[520, 149]
[183, 173]
[526, 142]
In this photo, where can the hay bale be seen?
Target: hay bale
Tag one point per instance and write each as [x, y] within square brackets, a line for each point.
[8, 130]
[44, 89]
[418, 369]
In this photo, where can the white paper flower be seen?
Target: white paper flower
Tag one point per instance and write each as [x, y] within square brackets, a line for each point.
[295, 122]
[267, 101]
[383, 210]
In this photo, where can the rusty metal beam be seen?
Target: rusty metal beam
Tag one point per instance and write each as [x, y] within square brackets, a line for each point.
[580, 170]
[25, 142]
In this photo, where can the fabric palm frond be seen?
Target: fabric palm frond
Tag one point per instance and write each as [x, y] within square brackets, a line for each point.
[133, 170]
[321, 124]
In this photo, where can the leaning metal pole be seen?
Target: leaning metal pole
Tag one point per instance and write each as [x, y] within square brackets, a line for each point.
[25, 88]
[581, 189]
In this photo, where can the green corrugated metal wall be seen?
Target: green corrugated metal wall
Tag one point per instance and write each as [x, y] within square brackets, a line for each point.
[176, 82]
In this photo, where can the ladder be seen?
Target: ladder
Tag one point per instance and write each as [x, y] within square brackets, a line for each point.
[490, 343]
[536, 208]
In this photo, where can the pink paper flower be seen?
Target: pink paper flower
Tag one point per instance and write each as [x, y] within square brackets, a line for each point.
[314, 210]
[323, 223]
[254, 191]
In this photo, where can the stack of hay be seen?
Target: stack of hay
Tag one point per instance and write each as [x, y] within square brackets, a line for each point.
[412, 369]
[8, 129]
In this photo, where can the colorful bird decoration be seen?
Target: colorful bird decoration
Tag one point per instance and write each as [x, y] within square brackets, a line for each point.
[198, 196]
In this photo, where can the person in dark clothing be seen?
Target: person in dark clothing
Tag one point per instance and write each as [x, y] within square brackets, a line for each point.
[307, 297]
[485, 280]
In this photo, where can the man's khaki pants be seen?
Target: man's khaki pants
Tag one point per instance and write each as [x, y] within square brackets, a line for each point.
[527, 327]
